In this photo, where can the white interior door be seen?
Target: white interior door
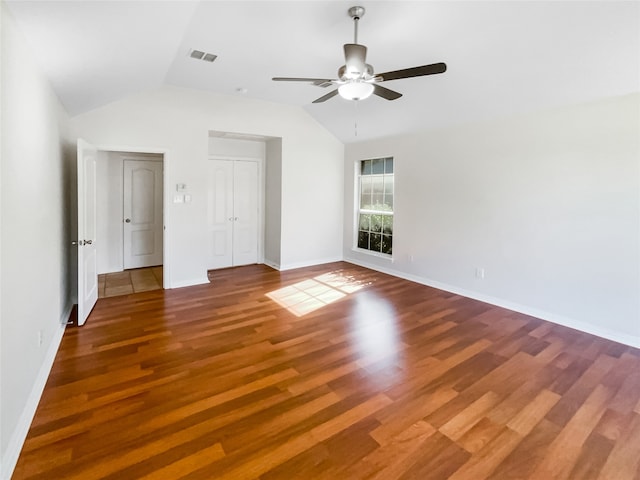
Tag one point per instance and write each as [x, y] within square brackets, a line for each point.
[232, 213]
[87, 271]
[142, 208]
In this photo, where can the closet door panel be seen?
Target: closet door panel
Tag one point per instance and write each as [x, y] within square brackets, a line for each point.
[220, 214]
[245, 201]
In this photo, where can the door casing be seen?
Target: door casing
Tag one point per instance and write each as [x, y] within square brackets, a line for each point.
[166, 214]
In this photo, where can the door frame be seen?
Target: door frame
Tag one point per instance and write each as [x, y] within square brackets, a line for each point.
[166, 217]
[261, 194]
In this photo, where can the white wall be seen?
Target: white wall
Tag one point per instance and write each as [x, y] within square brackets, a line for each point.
[312, 198]
[234, 148]
[109, 193]
[547, 203]
[35, 297]
[273, 203]
[110, 207]
[178, 121]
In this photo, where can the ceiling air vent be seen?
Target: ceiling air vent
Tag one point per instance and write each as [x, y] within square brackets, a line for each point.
[204, 56]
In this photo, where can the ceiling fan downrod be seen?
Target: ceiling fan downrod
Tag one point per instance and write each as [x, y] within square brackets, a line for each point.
[356, 13]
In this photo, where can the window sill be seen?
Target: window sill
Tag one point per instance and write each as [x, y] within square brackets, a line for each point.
[383, 256]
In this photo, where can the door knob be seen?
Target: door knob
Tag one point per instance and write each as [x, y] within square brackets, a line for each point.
[127, 220]
[88, 242]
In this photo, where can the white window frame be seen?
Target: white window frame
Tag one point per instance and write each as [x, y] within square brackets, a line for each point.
[358, 210]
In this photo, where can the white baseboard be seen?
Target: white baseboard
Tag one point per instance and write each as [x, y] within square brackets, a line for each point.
[19, 435]
[190, 283]
[625, 339]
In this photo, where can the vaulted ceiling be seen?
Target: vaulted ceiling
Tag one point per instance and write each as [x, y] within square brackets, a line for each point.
[503, 57]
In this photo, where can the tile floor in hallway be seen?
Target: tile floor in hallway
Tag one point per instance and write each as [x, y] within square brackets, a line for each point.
[129, 281]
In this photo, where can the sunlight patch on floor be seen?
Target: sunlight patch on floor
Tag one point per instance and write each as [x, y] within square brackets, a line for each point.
[314, 293]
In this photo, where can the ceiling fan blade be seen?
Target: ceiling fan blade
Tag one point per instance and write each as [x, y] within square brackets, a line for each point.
[320, 82]
[413, 72]
[355, 58]
[385, 92]
[326, 97]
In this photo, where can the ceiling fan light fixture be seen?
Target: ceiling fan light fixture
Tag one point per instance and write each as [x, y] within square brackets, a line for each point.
[355, 90]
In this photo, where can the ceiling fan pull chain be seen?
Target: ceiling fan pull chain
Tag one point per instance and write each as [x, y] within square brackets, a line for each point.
[355, 121]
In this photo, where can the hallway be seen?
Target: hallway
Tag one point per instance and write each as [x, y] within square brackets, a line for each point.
[129, 281]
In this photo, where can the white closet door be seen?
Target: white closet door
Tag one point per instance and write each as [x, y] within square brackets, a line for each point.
[220, 214]
[245, 208]
[232, 213]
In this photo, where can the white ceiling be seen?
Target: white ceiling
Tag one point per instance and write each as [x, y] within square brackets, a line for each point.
[502, 57]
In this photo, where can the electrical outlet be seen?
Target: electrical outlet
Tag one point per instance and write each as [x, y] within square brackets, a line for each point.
[480, 273]
[39, 338]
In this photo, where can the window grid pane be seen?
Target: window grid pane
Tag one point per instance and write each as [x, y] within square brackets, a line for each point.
[377, 166]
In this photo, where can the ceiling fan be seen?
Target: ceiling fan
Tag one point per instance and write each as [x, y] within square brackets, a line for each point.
[356, 79]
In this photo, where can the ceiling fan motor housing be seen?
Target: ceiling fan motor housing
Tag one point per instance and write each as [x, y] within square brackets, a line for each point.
[353, 74]
[355, 57]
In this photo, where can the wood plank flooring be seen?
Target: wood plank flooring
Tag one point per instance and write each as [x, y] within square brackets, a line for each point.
[331, 372]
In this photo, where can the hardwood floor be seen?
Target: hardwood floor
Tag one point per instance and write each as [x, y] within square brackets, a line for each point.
[331, 372]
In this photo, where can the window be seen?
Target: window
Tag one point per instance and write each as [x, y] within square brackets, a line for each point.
[375, 205]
